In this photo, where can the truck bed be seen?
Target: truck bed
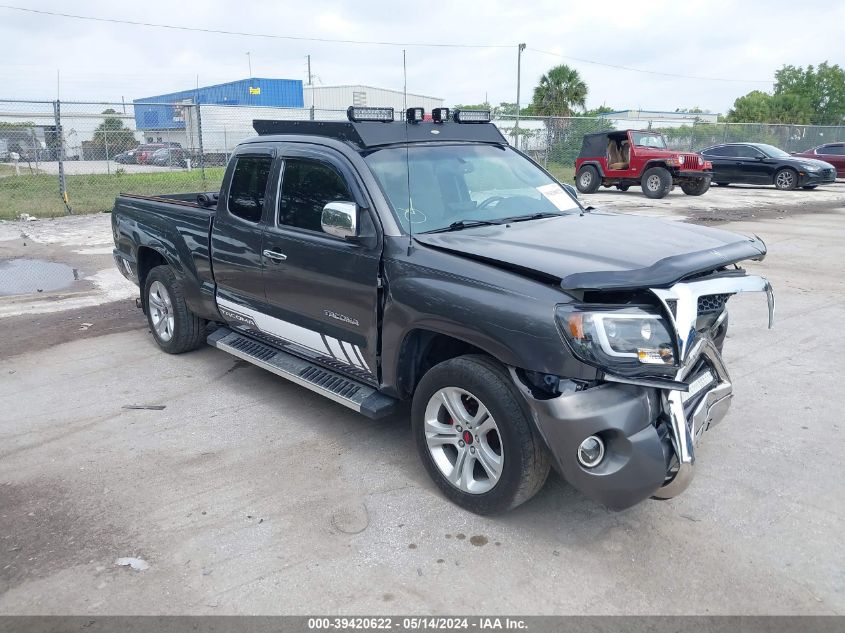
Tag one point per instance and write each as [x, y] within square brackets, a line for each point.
[172, 227]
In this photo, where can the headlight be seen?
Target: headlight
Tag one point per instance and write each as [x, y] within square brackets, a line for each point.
[810, 167]
[620, 339]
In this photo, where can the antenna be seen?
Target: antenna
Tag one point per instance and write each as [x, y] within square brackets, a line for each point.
[407, 153]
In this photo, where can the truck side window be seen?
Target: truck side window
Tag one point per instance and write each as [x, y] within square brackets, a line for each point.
[307, 186]
[249, 184]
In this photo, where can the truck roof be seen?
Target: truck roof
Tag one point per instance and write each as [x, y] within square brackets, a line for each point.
[368, 134]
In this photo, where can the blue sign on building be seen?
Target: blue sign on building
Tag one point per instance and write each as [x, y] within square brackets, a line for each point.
[155, 113]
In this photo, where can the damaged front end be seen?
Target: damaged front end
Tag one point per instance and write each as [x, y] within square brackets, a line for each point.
[662, 383]
[709, 390]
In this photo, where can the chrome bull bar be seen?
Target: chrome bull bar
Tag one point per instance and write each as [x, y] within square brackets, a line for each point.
[686, 428]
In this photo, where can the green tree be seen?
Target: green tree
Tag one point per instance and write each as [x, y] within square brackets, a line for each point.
[813, 96]
[559, 92]
[111, 134]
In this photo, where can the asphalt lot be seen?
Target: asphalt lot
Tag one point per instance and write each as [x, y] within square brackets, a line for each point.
[246, 494]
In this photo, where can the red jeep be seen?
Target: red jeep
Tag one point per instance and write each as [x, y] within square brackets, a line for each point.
[623, 158]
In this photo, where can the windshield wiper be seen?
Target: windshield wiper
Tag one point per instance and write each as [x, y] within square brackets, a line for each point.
[531, 216]
[463, 224]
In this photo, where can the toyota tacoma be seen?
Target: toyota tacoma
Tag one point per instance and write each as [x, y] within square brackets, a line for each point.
[379, 262]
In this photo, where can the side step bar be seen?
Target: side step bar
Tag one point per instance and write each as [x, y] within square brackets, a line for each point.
[350, 393]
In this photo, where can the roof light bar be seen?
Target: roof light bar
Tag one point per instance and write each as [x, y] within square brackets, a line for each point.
[356, 114]
[440, 115]
[414, 115]
[472, 116]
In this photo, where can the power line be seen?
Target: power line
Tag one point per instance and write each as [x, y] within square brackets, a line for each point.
[649, 72]
[245, 34]
[195, 29]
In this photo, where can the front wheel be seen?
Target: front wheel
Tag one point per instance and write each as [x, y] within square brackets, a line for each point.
[786, 179]
[175, 328]
[587, 180]
[657, 182]
[695, 188]
[474, 436]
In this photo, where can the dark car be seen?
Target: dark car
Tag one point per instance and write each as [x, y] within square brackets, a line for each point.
[169, 157]
[833, 153]
[126, 158]
[377, 263]
[762, 164]
[144, 153]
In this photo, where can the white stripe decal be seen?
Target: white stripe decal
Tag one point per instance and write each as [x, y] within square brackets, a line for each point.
[298, 335]
[334, 346]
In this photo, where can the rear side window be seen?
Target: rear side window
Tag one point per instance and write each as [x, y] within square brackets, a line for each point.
[832, 150]
[744, 151]
[724, 150]
[249, 186]
[307, 186]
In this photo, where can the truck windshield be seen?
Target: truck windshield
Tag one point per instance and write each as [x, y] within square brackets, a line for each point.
[643, 139]
[462, 185]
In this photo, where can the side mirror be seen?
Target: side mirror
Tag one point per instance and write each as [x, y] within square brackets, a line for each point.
[340, 219]
[760, 157]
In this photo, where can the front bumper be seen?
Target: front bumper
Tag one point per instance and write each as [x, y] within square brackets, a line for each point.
[649, 430]
[806, 178]
[694, 174]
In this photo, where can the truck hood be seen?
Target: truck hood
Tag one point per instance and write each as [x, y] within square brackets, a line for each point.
[600, 251]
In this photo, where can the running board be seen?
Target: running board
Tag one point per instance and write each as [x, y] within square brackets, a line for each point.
[350, 393]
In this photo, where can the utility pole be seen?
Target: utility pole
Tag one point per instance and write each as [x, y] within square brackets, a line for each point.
[520, 48]
[309, 69]
[249, 61]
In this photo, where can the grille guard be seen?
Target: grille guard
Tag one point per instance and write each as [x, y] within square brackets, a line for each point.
[687, 428]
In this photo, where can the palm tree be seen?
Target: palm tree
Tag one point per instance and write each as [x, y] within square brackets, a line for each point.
[559, 92]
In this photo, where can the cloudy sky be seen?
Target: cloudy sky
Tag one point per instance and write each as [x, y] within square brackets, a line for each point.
[740, 41]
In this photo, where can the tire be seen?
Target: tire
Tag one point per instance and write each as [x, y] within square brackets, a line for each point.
[656, 182]
[809, 187]
[723, 184]
[490, 482]
[587, 180]
[174, 327]
[622, 187]
[786, 179]
[696, 188]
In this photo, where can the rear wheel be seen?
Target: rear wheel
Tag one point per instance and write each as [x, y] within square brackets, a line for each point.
[657, 182]
[786, 179]
[695, 188]
[474, 436]
[622, 187]
[175, 328]
[588, 180]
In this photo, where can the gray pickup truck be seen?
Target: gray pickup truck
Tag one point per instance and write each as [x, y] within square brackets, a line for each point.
[379, 262]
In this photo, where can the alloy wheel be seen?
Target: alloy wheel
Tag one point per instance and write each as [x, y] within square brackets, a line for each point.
[586, 178]
[785, 179]
[653, 183]
[161, 311]
[463, 440]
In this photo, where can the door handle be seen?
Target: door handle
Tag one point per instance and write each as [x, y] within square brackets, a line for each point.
[275, 255]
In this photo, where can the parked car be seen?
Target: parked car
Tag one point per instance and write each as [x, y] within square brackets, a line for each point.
[634, 157]
[833, 153]
[762, 164]
[145, 152]
[126, 158]
[375, 263]
[169, 156]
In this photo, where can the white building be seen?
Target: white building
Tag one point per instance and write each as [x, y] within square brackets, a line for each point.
[645, 119]
[339, 98]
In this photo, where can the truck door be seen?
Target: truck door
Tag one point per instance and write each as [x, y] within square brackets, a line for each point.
[238, 226]
[322, 291]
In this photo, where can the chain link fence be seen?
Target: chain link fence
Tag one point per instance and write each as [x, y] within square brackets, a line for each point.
[58, 158]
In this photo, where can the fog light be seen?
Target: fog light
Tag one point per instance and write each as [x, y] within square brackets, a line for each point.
[591, 452]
